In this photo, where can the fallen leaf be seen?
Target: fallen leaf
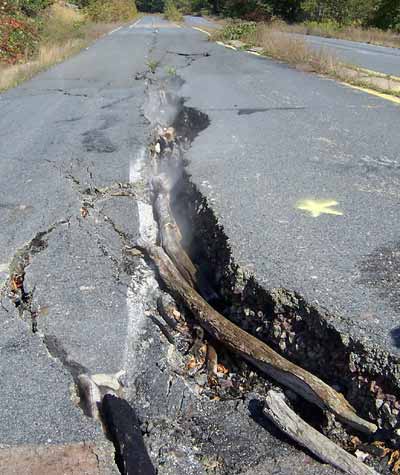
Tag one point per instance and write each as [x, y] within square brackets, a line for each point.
[396, 467]
[17, 282]
[221, 369]
[394, 458]
[135, 252]
[84, 212]
[381, 445]
[355, 441]
[176, 314]
[191, 363]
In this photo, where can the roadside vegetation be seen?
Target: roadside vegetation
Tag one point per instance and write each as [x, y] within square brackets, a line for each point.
[370, 21]
[171, 11]
[266, 39]
[35, 34]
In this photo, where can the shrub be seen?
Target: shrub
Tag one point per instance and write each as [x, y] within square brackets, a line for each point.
[18, 39]
[171, 11]
[28, 7]
[111, 10]
[237, 30]
[61, 23]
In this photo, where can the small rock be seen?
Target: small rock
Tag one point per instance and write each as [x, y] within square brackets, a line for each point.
[201, 379]
[361, 455]
[282, 345]
[225, 383]
[386, 410]
[276, 331]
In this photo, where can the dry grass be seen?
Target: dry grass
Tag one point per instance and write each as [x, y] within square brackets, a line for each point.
[294, 51]
[65, 31]
[60, 13]
[299, 53]
[352, 33]
[51, 53]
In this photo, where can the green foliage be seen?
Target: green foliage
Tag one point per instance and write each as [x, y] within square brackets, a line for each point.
[151, 6]
[387, 15]
[170, 70]
[171, 11]
[340, 11]
[32, 7]
[153, 64]
[111, 10]
[18, 38]
[238, 30]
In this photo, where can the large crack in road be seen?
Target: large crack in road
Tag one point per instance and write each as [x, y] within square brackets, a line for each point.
[183, 403]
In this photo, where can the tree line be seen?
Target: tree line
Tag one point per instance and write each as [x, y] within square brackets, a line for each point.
[383, 14]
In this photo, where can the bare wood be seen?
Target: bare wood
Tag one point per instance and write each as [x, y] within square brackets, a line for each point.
[291, 424]
[169, 231]
[253, 350]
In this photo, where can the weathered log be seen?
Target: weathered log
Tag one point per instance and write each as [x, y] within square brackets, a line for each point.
[250, 348]
[292, 425]
[170, 237]
[124, 429]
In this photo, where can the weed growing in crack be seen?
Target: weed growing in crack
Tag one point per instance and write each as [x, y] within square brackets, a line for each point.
[170, 70]
[153, 64]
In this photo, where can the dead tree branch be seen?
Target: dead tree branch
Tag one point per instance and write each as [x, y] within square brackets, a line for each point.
[291, 424]
[250, 348]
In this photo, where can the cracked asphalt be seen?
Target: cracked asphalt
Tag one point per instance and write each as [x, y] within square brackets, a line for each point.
[69, 140]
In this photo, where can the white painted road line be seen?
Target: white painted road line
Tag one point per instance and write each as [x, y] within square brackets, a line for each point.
[116, 29]
[203, 31]
[136, 23]
[254, 53]
[225, 45]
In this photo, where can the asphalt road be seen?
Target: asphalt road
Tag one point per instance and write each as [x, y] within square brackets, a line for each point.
[382, 59]
[73, 134]
[279, 136]
[376, 58]
[67, 132]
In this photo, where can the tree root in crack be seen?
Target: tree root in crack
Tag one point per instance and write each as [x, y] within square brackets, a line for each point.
[170, 237]
[250, 348]
[292, 425]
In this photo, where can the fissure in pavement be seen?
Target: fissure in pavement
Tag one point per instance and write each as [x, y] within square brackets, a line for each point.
[305, 334]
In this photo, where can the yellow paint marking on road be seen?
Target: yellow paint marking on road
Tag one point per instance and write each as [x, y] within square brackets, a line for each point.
[376, 73]
[254, 52]
[382, 95]
[318, 207]
[226, 46]
[203, 31]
